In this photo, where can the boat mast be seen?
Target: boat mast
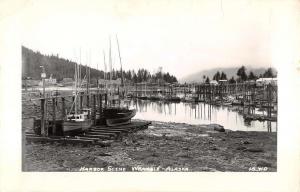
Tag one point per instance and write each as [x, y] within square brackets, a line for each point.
[105, 71]
[79, 67]
[120, 62]
[76, 73]
[122, 80]
[97, 78]
[110, 64]
[87, 73]
[79, 77]
[89, 68]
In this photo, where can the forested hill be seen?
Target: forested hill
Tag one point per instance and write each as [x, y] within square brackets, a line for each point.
[63, 68]
[58, 67]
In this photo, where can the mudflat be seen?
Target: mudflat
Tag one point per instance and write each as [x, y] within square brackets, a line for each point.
[162, 147]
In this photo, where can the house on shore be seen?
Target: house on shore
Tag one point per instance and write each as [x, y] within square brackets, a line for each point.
[266, 81]
[50, 81]
[67, 82]
[213, 82]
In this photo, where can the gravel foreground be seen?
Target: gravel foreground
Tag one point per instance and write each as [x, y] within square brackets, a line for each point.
[162, 147]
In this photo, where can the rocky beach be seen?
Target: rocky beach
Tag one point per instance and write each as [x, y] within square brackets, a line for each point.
[164, 146]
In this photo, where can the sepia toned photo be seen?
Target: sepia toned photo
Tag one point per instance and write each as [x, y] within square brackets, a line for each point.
[116, 89]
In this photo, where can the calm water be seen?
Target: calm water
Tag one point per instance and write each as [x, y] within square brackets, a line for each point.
[198, 113]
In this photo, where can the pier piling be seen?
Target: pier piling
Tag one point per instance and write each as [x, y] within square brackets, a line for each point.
[53, 116]
[43, 131]
[63, 111]
[94, 109]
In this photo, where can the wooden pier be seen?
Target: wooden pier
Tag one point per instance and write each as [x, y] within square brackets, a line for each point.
[247, 95]
[97, 135]
[49, 113]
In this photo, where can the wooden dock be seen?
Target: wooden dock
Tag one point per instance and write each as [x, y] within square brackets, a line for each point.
[97, 135]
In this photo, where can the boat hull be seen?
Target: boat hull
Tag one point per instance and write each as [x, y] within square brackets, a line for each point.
[120, 118]
[173, 99]
[76, 126]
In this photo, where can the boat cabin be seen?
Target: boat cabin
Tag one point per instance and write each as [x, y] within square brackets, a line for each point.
[86, 111]
[81, 116]
[77, 117]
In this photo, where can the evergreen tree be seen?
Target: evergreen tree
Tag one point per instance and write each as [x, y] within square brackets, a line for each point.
[232, 80]
[207, 80]
[217, 76]
[223, 76]
[268, 73]
[64, 68]
[204, 77]
[241, 73]
[252, 76]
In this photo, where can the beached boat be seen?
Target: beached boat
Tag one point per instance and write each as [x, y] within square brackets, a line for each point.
[118, 116]
[76, 123]
[77, 120]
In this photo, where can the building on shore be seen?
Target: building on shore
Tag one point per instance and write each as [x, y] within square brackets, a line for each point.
[213, 82]
[67, 82]
[103, 82]
[223, 81]
[266, 81]
[50, 81]
[30, 82]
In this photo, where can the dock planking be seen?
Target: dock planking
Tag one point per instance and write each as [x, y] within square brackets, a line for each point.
[97, 135]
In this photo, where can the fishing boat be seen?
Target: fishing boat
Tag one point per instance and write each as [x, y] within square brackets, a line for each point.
[143, 97]
[190, 98]
[172, 98]
[236, 102]
[154, 98]
[77, 120]
[118, 115]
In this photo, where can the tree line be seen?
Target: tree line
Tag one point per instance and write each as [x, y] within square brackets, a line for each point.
[242, 75]
[63, 68]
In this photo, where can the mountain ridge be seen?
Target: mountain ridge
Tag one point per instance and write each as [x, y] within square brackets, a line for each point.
[229, 71]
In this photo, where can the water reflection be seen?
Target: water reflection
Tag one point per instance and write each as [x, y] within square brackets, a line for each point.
[197, 113]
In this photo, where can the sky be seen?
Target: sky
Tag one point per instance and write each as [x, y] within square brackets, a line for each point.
[182, 37]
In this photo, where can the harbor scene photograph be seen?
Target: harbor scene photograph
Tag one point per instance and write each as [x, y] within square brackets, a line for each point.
[149, 87]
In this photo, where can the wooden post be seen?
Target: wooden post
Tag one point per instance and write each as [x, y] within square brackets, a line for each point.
[269, 100]
[210, 92]
[100, 105]
[94, 108]
[87, 101]
[198, 95]
[205, 92]
[46, 117]
[81, 101]
[136, 91]
[43, 132]
[53, 116]
[63, 113]
[105, 97]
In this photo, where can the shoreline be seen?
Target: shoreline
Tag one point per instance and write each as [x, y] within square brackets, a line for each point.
[163, 147]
